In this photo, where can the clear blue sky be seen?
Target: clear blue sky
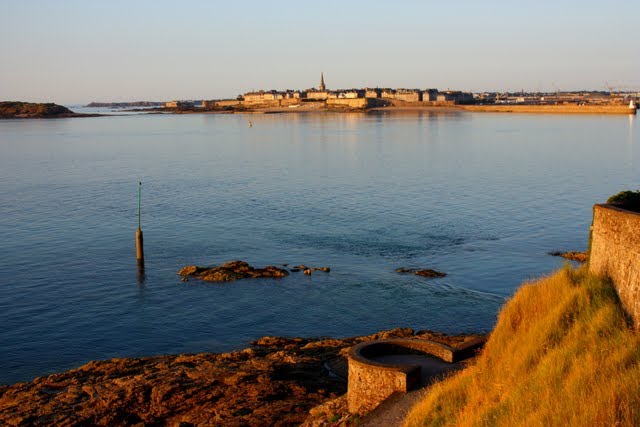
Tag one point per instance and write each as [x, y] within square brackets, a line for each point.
[74, 51]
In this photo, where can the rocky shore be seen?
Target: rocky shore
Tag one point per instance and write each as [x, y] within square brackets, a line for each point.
[275, 382]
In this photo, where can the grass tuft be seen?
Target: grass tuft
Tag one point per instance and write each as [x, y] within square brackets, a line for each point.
[562, 353]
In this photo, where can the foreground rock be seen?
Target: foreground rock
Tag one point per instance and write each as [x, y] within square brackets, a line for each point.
[231, 271]
[421, 272]
[572, 255]
[277, 382]
[16, 109]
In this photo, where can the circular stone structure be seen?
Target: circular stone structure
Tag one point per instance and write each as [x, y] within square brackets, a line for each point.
[380, 368]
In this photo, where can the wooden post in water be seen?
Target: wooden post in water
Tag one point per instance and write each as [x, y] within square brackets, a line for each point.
[139, 246]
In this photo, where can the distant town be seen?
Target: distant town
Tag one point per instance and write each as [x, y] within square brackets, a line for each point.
[367, 98]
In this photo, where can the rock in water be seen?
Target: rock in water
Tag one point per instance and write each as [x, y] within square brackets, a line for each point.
[232, 271]
[430, 273]
[422, 272]
[572, 255]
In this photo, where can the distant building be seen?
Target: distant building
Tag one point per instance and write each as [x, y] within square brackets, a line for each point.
[372, 93]
[456, 97]
[430, 95]
[351, 93]
[321, 92]
[409, 95]
[317, 94]
[179, 104]
[295, 94]
[263, 95]
[388, 93]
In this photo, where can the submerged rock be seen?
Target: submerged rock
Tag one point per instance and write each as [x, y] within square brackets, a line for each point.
[309, 270]
[430, 273]
[232, 271]
[422, 272]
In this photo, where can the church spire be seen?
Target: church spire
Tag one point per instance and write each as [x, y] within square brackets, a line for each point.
[322, 86]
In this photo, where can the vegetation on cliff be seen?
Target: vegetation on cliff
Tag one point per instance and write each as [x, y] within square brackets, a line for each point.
[29, 109]
[562, 353]
[629, 200]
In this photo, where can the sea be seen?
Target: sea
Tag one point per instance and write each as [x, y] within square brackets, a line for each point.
[482, 197]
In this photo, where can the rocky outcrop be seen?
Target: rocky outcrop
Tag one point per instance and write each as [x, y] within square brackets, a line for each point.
[15, 109]
[276, 382]
[309, 270]
[421, 272]
[572, 255]
[231, 271]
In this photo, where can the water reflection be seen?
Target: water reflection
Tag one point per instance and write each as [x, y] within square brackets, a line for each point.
[141, 276]
[632, 118]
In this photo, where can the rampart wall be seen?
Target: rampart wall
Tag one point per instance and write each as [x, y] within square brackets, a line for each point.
[271, 103]
[615, 252]
[349, 102]
[227, 103]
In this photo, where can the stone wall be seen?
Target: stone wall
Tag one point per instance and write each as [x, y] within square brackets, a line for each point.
[349, 102]
[615, 252]
[227, 103]
[370, 382]
[272, 103]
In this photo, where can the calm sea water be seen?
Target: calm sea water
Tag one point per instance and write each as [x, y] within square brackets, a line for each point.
[482, 197]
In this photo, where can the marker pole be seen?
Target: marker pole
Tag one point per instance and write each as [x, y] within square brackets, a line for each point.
[139, 240]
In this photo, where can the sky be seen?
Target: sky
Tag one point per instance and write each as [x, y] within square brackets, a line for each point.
[77, 51]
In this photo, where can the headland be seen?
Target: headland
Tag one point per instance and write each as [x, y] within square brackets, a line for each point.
[29, 110]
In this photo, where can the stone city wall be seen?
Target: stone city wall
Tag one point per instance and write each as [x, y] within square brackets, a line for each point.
[271, 103]
[349, 102]
[227, 103]
[615, 252]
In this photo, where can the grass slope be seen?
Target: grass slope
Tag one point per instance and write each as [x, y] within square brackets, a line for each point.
[562, 354]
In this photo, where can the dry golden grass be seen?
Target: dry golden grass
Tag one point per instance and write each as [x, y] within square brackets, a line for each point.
[562, 354]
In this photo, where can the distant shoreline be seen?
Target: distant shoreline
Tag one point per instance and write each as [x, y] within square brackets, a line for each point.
[518, 109]
[318, 107]
[59, 116]
[551, 109]
[32, 110]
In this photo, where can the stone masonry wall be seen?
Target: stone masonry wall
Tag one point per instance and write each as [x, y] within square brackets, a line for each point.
[349, 102]
[615, 252]
[368, 387]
